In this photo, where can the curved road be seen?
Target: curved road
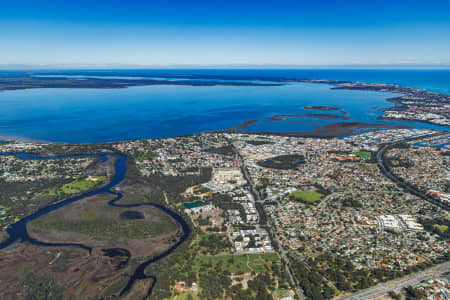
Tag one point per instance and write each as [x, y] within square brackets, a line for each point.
[397, 284]
[409, 188]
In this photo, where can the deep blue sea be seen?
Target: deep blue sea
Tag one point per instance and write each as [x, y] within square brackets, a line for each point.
[99, 115]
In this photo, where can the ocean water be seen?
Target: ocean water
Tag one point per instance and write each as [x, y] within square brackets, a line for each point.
[101, 115]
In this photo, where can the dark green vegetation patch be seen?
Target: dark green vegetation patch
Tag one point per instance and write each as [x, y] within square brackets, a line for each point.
[283, 162]
[225, 150]
[258, 143]
[439, 226]
[131, 215]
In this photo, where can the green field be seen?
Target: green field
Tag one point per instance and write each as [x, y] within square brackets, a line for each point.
[441, 228]
[363, 154]
[239, 264]
[73, 187]
[308, 196]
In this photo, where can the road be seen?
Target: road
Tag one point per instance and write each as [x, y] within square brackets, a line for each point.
[271, 227]
[409, 188]
[398, 284]
[383, 288]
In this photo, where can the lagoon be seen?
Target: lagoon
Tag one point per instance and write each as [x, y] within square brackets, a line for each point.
[193, 204]
[107, 115]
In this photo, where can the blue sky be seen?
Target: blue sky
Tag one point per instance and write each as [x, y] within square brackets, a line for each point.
[229, 32]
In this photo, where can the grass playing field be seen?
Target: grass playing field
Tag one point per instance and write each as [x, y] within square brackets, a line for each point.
[307, 196]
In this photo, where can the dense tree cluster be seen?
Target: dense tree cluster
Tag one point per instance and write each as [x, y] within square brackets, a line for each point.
[225, 202]
[394, 295]
[13, 194]
[178, 184]
[402, 145]
[414, 294]
[225, 150]
[312, 282]
[396, 162]
[283, 162]
[214, 283]
[350, 202]
[214, 243]
[258, 143]
[262, 213]
[433, 226]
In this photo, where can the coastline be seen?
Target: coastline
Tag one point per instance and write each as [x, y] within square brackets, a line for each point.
[329, 131]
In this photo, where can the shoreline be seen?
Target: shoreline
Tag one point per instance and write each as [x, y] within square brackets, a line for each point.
[348, 131]
[329, 131]
[299, 134]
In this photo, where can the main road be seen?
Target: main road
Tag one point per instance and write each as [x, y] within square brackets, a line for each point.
[397, 285]
[409, 188]
[382, 288]
[271, 227]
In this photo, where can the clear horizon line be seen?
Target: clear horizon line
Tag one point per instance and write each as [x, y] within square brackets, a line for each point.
[32, 66]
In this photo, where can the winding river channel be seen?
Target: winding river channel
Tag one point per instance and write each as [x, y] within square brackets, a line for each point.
[18, 231]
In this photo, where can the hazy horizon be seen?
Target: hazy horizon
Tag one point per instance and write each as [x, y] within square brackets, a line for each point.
[56, 67]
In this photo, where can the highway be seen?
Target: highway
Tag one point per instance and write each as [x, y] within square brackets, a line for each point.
[409, 188]
[398, 284]
[383, 288]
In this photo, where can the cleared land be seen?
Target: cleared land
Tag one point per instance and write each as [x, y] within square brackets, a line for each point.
[74, 187]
